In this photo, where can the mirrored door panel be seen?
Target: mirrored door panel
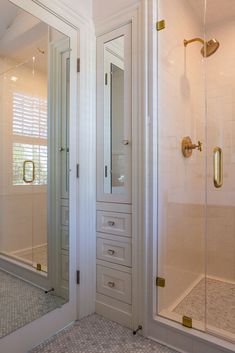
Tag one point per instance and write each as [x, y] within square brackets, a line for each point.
[114, 116]
[34, 173]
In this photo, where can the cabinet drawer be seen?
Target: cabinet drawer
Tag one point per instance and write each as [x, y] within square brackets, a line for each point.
[114, 283]
[114, 223]
[114, 251]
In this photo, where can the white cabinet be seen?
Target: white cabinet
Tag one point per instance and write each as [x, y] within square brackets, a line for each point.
[114, 176]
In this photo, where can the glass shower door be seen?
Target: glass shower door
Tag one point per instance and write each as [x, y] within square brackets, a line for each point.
[181, 166]
[220, 88]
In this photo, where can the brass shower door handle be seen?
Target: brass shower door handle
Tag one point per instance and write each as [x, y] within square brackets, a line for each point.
[28, 181]
[218, 167]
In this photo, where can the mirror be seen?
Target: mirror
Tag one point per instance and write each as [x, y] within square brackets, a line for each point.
[115, 144]
[34, 167]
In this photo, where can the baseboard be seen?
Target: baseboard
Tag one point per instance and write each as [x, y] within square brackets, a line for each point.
[114, 314]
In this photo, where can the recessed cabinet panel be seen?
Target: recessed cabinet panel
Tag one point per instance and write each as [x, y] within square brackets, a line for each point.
[114, 116]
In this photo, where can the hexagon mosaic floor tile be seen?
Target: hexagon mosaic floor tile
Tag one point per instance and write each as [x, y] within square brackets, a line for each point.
[94, 334]
[21, 303]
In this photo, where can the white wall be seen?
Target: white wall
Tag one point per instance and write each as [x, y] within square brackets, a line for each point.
[104, 8]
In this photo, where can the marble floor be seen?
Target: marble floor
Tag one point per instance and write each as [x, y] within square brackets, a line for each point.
[215, 302]
[94, 334]
[21, 303]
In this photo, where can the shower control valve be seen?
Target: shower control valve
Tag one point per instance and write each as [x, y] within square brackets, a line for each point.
[198, 146]
[188, 147]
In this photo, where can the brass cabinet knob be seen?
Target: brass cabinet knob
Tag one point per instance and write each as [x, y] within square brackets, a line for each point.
[111, 284]
[111, 223]
[111, 251]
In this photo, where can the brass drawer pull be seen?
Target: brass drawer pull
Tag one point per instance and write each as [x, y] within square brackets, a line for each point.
[111, 284]
[111, 223]
[111, 251]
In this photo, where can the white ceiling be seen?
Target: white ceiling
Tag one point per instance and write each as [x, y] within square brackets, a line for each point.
[21, 34]
[216, 10]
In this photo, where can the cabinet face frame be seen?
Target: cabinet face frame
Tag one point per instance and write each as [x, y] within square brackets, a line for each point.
[125, 32]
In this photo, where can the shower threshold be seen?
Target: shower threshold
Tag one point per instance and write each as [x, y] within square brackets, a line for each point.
[219, 318]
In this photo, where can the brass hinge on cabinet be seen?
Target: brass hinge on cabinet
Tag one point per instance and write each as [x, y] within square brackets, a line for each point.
[78, 277]
[160, 282]
[78, 65]
[106, 79]
[160, 25]
[187, 321]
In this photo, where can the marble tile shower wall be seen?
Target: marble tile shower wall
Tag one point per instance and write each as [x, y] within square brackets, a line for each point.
[181, 110]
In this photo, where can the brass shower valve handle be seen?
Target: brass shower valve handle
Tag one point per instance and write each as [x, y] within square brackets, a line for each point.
[188, 147]
[193, 146]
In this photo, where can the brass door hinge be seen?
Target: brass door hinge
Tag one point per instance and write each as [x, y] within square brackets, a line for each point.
[39, 267]
[187, 321]
[78, 65]
[106, 79]
[160, 25]
[78, 277]
[160, 282]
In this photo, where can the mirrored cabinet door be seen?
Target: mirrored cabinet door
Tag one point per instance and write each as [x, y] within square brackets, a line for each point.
[114, 116]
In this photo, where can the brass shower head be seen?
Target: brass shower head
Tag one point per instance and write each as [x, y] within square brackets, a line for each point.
[208, 48]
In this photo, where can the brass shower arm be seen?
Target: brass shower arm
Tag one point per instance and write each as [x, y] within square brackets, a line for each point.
[197, 39]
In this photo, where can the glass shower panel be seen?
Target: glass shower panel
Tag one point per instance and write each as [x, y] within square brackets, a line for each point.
[220, 94]
[181, 164]
[39, 148]
[17, 170]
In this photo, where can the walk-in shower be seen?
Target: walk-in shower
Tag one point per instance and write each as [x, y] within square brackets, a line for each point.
[196, 165]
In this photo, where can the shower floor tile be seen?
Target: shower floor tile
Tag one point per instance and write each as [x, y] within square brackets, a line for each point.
[219, 297]
[21, 303]
[94, 334]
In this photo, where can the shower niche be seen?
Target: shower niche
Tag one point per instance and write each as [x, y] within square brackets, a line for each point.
[195, 284]
[34, 173]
